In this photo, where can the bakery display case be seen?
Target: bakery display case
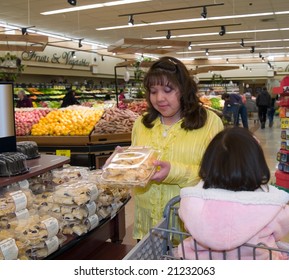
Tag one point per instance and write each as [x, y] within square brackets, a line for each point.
[65, 211]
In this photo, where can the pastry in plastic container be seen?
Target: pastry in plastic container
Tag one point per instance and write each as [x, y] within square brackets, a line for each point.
[10, 221]
[10, 248]
[77, 212]
[44, 249]
[68, 173]
[14, 201]
[130, 167]
[75, 193]
[38, 228]
[74, 228]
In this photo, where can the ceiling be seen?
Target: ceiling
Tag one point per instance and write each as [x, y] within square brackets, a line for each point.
[84, 24]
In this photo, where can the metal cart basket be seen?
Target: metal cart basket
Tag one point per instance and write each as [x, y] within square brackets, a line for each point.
[162, 240]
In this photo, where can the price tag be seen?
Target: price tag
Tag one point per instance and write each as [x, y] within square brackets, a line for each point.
[63, 153]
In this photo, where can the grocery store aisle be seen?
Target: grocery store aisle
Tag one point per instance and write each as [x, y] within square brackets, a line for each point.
[270, 139]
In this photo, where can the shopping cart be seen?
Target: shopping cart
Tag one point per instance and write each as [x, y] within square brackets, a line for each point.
[161, 242]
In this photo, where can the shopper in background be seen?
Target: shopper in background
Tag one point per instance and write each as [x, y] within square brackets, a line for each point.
[121, 95]
[23, 100]
[69, 99]
[177, 125]
[233, 203]
[234, 106]
[263, 102]
[211, 91]
[271, 110]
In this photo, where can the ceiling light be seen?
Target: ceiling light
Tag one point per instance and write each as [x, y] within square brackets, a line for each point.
[79, 43]
[93, 6]
[207, 52]
[204, 12]
[190, 46]
[169, 35]
[227, 60]
[130, 20]
[24, 31]
[242, 43]
[243, 66]
[72, 2]
[223, 31]
[252, 49]
[73, 54]
[263, 59]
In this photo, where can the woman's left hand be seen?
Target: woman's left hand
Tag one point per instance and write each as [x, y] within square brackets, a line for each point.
[162, 170]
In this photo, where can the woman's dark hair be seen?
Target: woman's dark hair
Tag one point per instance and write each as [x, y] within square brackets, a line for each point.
[234, 160]
[169, 70]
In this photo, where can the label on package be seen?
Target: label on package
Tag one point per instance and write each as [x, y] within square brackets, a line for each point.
[22, 214]
[9, 249]
[93, 221]
[93, 192]
[52, 245]
[19, 199]
[91, 208]
[52, 226]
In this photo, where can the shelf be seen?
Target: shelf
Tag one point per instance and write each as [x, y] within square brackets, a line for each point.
[36, 167]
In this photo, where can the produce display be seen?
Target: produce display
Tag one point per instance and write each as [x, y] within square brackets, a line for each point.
[214, 102]
[115, 120]
[138, 107]
[73, 120]
[25, 118]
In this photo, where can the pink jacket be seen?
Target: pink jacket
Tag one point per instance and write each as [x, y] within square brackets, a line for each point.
[223, 220]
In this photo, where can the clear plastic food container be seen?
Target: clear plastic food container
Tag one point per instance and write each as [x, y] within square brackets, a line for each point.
[130, 167]
[79, 193]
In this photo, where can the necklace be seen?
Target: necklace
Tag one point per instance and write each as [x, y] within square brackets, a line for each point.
[166, 128]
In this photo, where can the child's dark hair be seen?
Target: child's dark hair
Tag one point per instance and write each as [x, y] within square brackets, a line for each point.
[234, 160]
[171, 71]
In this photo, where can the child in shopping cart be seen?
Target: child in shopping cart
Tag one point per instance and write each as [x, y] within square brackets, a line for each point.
[233, 203]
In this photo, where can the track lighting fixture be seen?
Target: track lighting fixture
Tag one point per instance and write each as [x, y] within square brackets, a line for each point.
[102, 58]
[263, 59]
[243, 66]
[242, 43]
[252, 49]
[223, 31]
[190, 46]
[169, 35]
[260, 55]
[72, 2]
[204, 12]
[227, 60]
[73, 54]
[207, 52]
[79, 43]
[130, 20]
[24, 31]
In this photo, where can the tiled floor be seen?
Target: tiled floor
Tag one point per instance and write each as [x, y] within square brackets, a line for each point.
[270, 139]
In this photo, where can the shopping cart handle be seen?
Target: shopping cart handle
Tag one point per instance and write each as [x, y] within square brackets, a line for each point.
[169, 205]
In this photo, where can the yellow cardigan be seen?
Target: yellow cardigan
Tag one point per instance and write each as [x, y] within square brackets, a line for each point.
[184, 150]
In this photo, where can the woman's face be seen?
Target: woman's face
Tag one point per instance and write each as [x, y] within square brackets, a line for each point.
[165, 99]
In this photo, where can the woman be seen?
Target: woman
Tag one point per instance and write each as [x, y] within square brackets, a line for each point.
[69, 99]
[179, 127]
[24, 101]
